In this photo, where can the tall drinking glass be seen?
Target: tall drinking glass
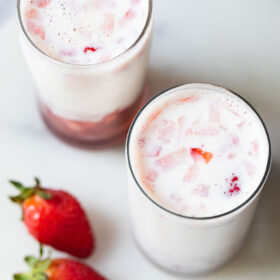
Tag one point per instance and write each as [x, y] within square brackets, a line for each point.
[164, 226]
[90, 104]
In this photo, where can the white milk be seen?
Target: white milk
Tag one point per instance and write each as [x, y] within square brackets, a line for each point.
[73, 81]
[196, 152]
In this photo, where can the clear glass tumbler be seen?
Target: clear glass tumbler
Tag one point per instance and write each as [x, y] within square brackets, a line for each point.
[182, 244]
[90, 104]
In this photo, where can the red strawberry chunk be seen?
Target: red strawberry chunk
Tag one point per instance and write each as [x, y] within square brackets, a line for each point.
[190, 174]
[234, 187]
[231, 156]
[127, 17]
[42, 3]
[198, 154]
[155, 152]
[208, 131]
[91, 49]
[67, 53]
[36, 29]
[31, 14]
[141, 142]
[166, 130]
[109, 24]
[255, 148]
[185, 99]
[172, 160]
[151, 175]
[234, 139]
[130, 14]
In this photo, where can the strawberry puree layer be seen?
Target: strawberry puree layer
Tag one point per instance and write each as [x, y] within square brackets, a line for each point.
[84, 31]
[109, 131]
[199, 152]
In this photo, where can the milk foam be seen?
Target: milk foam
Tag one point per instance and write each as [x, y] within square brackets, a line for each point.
[199, 153]
[84, 31]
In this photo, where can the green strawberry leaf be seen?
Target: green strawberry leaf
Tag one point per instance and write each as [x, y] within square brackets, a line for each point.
[31, 261]
[28, 192]
[44, 194]
[25, 193]
[41, 250]
[18, 185]
[16, 199]
[42, 265]
[40, 276]
[37, 181]
[22, 276]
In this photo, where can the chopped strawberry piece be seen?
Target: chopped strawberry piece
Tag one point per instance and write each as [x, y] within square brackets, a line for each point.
[185, 99]
[134, 2]
[67, 52]
[255, 148]
[109, 24]
[190, 174]
[234, 139]
[36, 29]
[31, 14]
[234, 186]
[201, 190]
[209, 131]
[231, 156]
[151, 175]
[241, 124]
[172, 160]
[155, 152]
[152, 118]
[198, 153]
[234, 189]
[166, 130]
[141, 142]
[92, 49]
[42, 3]
[128, 16]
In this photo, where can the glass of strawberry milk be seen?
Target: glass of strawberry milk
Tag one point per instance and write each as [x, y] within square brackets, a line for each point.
[88, 59]
[198, 156]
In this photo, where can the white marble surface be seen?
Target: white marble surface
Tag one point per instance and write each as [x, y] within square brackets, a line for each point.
[232, 43]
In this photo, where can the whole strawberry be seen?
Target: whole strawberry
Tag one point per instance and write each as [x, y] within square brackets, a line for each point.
[57, 269]
[55, 218]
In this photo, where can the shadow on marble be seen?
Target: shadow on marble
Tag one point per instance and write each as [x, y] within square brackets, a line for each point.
[105, 235]
[7, 8]
[161, 80]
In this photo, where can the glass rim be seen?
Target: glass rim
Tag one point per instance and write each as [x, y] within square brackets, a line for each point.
[47, 56]
[247, 201]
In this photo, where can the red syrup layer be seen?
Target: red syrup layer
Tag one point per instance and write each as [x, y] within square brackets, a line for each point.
[110, 131]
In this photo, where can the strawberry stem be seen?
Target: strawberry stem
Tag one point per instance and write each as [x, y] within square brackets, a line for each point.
[38, 267]
[27, 192]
